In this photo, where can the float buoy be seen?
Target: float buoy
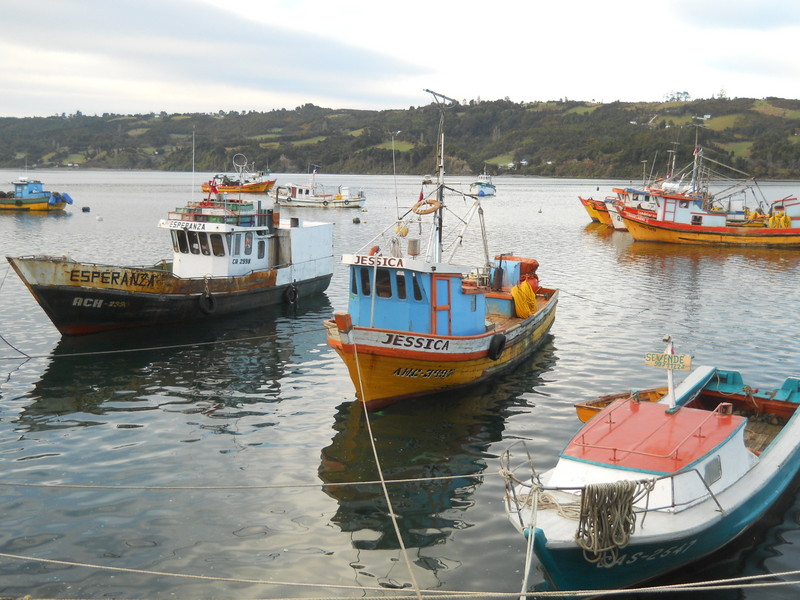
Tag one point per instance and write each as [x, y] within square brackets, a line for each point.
[433, 206]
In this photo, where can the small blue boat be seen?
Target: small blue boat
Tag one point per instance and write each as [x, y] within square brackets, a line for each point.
[29, 194]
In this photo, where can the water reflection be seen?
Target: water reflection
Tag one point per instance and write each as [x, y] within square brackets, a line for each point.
[220, 368]
[445, 436]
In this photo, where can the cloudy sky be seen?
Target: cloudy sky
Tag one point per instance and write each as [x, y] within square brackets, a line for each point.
[141, 56]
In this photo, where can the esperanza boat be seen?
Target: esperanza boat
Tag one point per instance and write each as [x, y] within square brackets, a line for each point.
[483, 186]
[241, 182]
[645, 488]
[228, 256]
[418, 323]
[313, 194]
[29, 194]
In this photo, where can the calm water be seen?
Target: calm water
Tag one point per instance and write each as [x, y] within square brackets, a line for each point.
[256, 413]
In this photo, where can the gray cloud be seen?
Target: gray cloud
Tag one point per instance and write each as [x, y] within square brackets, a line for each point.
[183, 41]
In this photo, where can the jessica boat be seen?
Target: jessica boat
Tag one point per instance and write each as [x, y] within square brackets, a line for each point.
[645, 488]
[418, 323]
[228, 256]
[241, 182]
[29, 194]
[313, 194]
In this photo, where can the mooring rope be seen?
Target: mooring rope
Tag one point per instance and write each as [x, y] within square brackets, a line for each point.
[389, 506]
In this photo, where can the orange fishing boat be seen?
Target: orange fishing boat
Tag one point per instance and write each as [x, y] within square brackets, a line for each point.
[241, 182]
[418, 324]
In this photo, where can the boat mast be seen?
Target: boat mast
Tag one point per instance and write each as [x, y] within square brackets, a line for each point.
[440, 99]
[670, 349]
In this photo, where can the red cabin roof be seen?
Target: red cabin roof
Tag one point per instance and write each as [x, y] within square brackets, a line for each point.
[649, 437]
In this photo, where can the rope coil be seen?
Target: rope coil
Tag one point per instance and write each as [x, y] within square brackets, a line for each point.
[607, 519]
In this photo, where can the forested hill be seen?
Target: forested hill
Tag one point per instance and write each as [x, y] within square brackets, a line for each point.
[562, 139]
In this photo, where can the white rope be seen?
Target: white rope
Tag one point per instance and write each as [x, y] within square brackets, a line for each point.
[392, 515]
[534, 495]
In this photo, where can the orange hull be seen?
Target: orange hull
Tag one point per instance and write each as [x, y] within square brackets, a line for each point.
[261, 187]
[387, 373]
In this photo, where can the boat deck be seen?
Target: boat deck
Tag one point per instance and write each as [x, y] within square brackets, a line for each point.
[650, 437]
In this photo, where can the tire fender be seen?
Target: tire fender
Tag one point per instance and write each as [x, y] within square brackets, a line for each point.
[290, 295]
[497, 345]
[208, 304]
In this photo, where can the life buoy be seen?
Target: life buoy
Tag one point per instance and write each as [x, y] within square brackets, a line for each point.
[497, 345]
[374, 250]
[208, 304]
[290, 295]
[433, 206]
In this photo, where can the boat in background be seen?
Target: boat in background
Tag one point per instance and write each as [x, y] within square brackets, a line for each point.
[313, 194]
[588, 409]
[419, 323]
[681, 220]
[243, 181]
[483, 186]
[646, 488]
[229, 256]
[30, 195]
[597, 210]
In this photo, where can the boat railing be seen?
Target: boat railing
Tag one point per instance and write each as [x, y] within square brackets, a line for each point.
[516, 496]
[721, 410]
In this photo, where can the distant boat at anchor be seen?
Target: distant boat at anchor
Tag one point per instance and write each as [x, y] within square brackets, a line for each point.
[30, 195]
[229, 256]
[483, 186]
[313, 194]
[241, 182]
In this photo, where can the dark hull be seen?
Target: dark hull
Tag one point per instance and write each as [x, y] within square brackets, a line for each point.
[82, 310]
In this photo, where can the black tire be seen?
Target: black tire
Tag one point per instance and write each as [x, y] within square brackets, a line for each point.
[208, 304]
[324, 203]
[497, 345]
[18, 202]
[290, 295]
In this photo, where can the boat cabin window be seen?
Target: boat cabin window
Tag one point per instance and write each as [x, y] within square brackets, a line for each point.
[248, 242]
[235, 243]
[179, 242]
[262, 248]
[417, 288]
[388, 283]
[194, 244]
[383, 283]
[365, 287]
[401, 285]
[204, 248]
[697, 219]
[713, 471]
[217, 247]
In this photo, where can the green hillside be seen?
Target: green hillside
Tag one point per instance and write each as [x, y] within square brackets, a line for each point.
[562, 139]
